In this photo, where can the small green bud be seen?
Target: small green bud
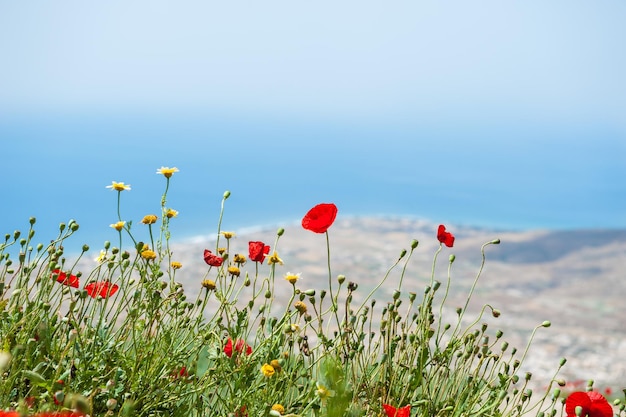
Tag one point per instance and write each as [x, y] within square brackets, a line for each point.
[414, 244]
[452, 258]
[107, 245]
[280, 232]
[310, 293]
[85, 248]
[341, 279]
[402, 253]
[562, 361]
[495, 312]
[546, 324]
[412, 296]
[495, 242]
[226, 194]
[62, 227]
[396, 294]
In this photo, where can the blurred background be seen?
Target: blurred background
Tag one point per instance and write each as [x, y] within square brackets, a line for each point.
[500, 114]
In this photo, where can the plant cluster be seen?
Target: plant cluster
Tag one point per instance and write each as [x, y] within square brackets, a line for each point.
[123, 339]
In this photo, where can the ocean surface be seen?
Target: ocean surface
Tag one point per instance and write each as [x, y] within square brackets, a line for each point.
[56, 168]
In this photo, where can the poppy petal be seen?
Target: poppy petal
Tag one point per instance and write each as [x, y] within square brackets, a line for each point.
[320, 217]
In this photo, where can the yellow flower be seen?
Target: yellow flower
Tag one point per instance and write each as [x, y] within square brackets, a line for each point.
[239, 259]
[102, 257]
[221, 250]
[323, 392]
[228, 235]
[208, 284]
[276, 365]
[167, 172]
[171, 213]
[234, 271]
[118, 226]
[292, 278]
[267, 370]
[279, 408]
[118, 186]
[300, 306]
[148, 254]
[176, 265]
[274, 259]
[149, 219]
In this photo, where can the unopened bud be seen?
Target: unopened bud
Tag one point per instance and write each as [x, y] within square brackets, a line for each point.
[414, 244]
[546, 324]
[280, 231]
[452, 258]
[226, 194]
[341, 279]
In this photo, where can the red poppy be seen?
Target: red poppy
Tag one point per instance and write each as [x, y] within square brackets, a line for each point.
[397, 412]
[240, 345]
[320, 217]
[593, 404]
[103, 289]
[212, 259]
[9, 414]
[257, 251]
[63, 278]
[445, 237]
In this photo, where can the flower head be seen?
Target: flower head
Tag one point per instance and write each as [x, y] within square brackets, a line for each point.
[148, 254]
[268, 370]
[300, 306]
[208, 284]
[320, 217]
[118, 186]
[65, 279]
[397, 412]
[101, 257]
[239, 347]
[211, 259]
[234, 271]
[228, 235]
[323, 393]
[292, 278]
[239, 259]
[257, 251]
[118, 225]
[592, 403]
[103, 289]
[167, 172]
[445, 237]
[149, 219]
[169, 213]
[274, 259]
[279, 408]
[176, 265]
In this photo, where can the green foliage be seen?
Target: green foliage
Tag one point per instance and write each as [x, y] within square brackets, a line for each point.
[148, 350]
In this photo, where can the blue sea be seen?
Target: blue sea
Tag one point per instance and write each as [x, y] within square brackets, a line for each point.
[56, 168]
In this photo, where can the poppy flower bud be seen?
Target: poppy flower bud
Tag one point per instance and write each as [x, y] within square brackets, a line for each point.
[562, 361]
[495, 242]
[310, 293]
[414, 244]
[499, 334]
[495, 313]
[452, 258]
[111, 404]
[73, 226]
[268, 294]
[412, 296]
[280, 231]
[31, 233]
[62, 227]
[436, 285]
[341, 279]
[396, 294]
[322, 294]
[546, 324]
[226, 194]
[561, 382]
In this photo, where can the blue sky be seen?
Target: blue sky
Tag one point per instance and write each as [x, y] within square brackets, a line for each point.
[469, 96]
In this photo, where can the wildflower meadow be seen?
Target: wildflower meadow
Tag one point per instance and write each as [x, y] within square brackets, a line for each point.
[125, 338]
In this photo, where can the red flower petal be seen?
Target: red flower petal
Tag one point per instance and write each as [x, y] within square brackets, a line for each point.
[240, 346]
[445, 237]
[600, 407]
[103, 289]
[320, 217]
[577, 399]
[62, 277]
[257, 251]
[397, 412]
[212, 259]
